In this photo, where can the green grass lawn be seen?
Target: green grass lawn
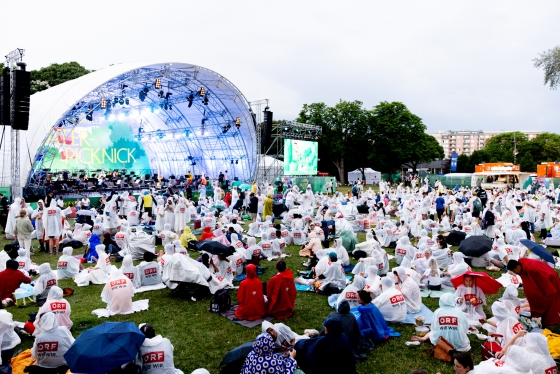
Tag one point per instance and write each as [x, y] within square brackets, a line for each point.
[202, 338]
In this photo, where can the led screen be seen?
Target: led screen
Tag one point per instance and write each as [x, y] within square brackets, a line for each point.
[300, 157]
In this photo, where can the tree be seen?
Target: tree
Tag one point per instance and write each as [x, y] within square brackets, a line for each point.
[342, 125]
[543, 147]
[463, 164]
[477, 157]
[501, 147]
[55, 74]
[527, 163]
[426, 149]
[396, 133]
[550, 62]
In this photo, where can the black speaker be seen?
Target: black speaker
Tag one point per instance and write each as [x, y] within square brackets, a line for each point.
[5, 98]
[20, 98]
[266, 130]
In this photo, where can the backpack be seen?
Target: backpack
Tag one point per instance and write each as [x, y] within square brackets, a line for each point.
[221, 301]
[477, 205]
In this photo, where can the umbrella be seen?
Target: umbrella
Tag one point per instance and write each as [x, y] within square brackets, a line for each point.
[278, 182]
[475, 246]
[244, 187]
[238, 353]
[214, 247]
[538, 249]
[105, 347]
[485, 282]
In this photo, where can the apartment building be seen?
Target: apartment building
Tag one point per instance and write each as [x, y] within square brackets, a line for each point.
[469, 141]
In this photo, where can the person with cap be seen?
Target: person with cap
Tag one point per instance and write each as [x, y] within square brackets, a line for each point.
[10, 280]
[542, 288]
[51, 344]
[156, 353]
[43, 284]
[250, 296]
[281, 292]
[450, 323]
[391, 302]
[150, 271]
[56, 305]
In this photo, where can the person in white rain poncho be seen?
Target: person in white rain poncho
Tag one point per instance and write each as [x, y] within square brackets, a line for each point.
[98, 274]
[404, 250]
[421, 259]
[458, 267]
[470, 300]
[38, 215]
[282, 335]
[350, 293]
[391, 302]
[508, 324]
[13, 214]
[43, 284]
[450, 323]
[366, 246]
[180, 215]
[169, 213]
[160, 214]
[9, 339]
[150, 271]
[333, 273]
[167, 236]
[341, 252]
[156, 353]
[222, 268]
[118, 293]
[410, 290]
[442, 255]
[535, 353]
[98, 226]
[253, 250]
[51, 345]
[266, 246]
[130, 271]
[110, 218]
[165, 255]
[53, 225]
[122, 238]
[56, 305]
[24, 263]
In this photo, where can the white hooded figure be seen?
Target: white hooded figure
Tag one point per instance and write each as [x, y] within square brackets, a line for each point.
[391, 302]
[404, 249]
[9, 339]
[110, 218]
[24, 263]
[373, 281]
[266, 246]
[67, 266]
[470, 300]
[156, 353]
[537, 353]
[43, 284]
[169, 213]
[99, 274]
[179, 248]
[167, 236]
[56, 305]
[53, 222]
[180, 215]
[150, 273]
[98, 226]
[451, 323]
[334, 273]
[118, 293]
[38, 215]
[366, 246]
[130, 271]
[160, 214]
[253, 250]
[51, 345]
[169, 251]
[409, 289]
[458, 267]
[284, 334]
[236, 243]
[123, 239]
[508, 324]
[350, 293]
[341, 253]
[133, 217]
[381, 258]
[13, 214]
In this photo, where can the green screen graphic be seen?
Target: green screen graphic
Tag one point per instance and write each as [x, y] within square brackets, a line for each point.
[300, 157]
[92, 147]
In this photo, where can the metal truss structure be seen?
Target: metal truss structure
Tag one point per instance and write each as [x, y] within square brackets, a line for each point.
[188, 118]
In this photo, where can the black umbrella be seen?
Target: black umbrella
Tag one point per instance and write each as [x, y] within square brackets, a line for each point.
[278, 182]
[214, 247]
[475, 246]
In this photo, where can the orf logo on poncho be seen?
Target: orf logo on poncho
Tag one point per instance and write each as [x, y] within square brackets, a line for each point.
[517, 327]
[58, 306]
[397, 299]
[552, 370]
[150, 271]
[152, 357]
[47, 347]
[448, 321]
[351, 295]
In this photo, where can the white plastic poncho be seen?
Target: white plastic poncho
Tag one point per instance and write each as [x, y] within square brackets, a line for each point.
[130, 271]
[150, 273]
[8, 337]
[118, 293]
[24, 263]
[450, 323]
[56, 305]
[53, 221]
[334, 274]
[285, 335]
[350, 293]
[122, 239]
[98, 226]
[266, 245]
[537, 353]
[404, 250]
[391, 302]
[252, 249]
[373, 282]
[341, 252]
[508, 324]
[514, 363]
[51, 345]
[410, 291]
[511, 300]
[180, 215]
[110, 218]
[67, 266]
[183, 269]
[46, 280]
[13, 213]
[156, 356]
[366, 246]
[38, 216]
[167, 236]
[459, 266]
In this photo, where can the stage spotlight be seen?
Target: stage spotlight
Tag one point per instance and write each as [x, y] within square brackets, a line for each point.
[89, 113]
[160, 134]
[115, 100]
[146, 90]
[236, 162]
[202, 91]
[190, 100]
[158, 83]
[238, 122]
[231, 162]
[205, 101]
[103, 103]
[141, 95]
[126, 101]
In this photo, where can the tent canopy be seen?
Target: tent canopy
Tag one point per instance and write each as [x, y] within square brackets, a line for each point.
[371, 175]
[165, 118]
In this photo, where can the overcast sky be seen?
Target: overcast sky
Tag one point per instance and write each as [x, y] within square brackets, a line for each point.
[456, 64]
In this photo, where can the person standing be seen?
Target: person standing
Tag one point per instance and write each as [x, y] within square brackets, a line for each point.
[253, 206]
[440, 206]
[23, 230]
[4, 208]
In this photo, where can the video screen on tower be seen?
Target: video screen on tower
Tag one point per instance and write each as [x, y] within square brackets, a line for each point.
[300, 157]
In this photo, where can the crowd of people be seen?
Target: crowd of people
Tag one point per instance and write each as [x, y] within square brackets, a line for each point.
[417, 222]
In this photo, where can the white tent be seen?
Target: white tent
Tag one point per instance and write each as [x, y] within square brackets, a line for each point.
[372, 176]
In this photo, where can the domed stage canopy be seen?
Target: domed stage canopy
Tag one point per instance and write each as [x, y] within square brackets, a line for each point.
[167, 118]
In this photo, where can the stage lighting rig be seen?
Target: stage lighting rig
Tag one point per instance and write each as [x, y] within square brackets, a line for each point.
[202, 91]
[103, 103]
[190, 100]
[238, 123]
[158, 83]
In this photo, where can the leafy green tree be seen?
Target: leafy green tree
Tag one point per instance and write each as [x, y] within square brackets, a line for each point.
[501, 147]
[397, 133]
[342, 125]
[55, 74]
[550, 62]
[527, 163]
[426, 149]
[543, 147]
[463, 164]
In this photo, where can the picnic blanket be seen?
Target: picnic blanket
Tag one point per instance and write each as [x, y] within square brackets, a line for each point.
[424, 312]
[137, 306]
[154, 287]
[243, 275]
[306, 288]
[434, 294]
[230, 314]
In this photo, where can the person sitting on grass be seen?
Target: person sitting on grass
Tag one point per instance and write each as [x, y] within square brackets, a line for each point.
[371, 322]
[68, 266]
[250, 296]
[156, 353]
[263, 360]
[150, 271]
[391, 302]
[450, 323]
[51, 345]
[281, 292]
[283, 336]
[10, 279]
[43, 284]
[118, 293]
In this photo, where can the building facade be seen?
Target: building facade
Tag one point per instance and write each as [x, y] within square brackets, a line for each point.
[469, 141]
